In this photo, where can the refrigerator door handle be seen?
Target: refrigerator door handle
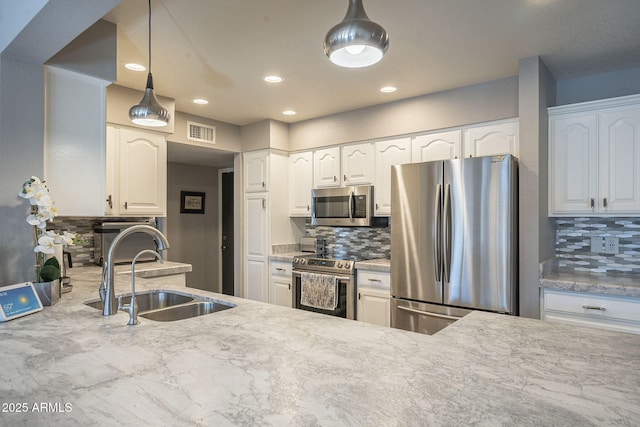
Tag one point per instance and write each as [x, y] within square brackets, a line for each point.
[446, 241]
[428, 313]
[437, 252]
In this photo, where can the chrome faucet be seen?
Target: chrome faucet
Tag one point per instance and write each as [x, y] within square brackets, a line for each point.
[107, 291]
[132, 308]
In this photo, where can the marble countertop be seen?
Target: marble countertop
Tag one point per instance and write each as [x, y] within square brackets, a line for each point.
[611, 284]
[262, 364]
[381, 264]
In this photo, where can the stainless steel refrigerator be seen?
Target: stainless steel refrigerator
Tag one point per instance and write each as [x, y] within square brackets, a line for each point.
[454, 240]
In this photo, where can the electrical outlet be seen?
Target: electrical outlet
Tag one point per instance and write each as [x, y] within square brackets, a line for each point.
[597, 245]
[611, 245]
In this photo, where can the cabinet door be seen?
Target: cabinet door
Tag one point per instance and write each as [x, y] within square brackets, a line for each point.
[436, 146]
[142, 173]
[256, 171]
[74, 140]
[573, 169]
[388, 153]
[256, 238]
[374, 306]
[300, 183]
[281, 291]
[619, 150]
[490, 140]
[326, 168]
[358, 164]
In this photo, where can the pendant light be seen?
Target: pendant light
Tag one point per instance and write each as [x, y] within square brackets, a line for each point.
[356, 41]
[149, 112]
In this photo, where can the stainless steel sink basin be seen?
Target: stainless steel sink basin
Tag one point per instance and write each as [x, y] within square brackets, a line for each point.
[151, 300]
[186, 311]
[168, 306]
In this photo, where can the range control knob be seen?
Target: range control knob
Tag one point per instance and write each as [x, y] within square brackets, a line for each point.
[339, 264]
[347, 265]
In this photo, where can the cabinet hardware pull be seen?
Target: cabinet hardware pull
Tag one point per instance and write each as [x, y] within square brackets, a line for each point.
[593, 202]
[604, 202]
[375, 280]
[335, 179]
[279, 269]
[262, 184]
[358, 295]
[345, 178]
[264, 203]
[308, 208]
[594, 307]
[126, 204]
[110, 201]
[289, 286]
[377, 206]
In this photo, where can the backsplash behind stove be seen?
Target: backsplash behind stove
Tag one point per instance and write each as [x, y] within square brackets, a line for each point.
[358, 242]
[573, 244]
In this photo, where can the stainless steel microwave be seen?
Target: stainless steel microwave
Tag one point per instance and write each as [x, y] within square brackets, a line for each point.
[342, 206]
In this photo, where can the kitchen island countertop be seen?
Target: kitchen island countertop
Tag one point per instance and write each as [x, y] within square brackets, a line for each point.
[262, 364]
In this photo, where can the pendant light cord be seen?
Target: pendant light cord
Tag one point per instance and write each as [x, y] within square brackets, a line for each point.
[149, 36]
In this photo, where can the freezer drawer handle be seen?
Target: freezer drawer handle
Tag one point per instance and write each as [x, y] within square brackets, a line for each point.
[426, 313]
[594, 307]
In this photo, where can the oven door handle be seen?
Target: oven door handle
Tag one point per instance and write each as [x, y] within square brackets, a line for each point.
[428, 313]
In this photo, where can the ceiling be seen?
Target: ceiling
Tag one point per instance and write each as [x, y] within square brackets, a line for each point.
[220, 50]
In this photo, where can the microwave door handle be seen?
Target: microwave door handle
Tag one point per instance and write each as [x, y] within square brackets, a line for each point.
[351, 200]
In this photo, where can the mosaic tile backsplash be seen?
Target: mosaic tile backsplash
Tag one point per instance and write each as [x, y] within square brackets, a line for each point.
[573, 244]
[357, 242]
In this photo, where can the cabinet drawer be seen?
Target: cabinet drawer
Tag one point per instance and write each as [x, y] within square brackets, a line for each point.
[281, 269]
[374, 279]
[592, 305]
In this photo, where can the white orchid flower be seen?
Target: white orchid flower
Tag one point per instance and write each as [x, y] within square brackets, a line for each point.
[68, 239]
[39, 219]
[45, 244]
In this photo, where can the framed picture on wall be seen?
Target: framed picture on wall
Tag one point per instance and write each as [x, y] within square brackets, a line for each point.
[191, 202]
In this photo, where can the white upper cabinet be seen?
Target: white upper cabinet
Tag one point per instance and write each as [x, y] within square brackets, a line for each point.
[326, 168]
[620, 158]
[387, 154]
[136, 172]
[436, 146]
[594, 158]
[256, 171]
[491, 139]
[573, 168]
[74, 141]
[300, 183]
[358, 164]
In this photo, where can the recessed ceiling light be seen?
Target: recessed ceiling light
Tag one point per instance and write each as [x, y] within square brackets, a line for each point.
[273, 79]
[289, 113]
[200, 101]
[134, 67]
[388, 89]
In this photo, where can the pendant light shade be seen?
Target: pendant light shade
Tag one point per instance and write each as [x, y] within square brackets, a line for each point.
[149, 112]
[356, 41]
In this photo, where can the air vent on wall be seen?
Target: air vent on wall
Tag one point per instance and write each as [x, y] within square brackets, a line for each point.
[201, 133]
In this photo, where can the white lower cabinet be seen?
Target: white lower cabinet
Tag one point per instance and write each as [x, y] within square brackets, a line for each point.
[613, 312]
[280, 287]
[374, 297]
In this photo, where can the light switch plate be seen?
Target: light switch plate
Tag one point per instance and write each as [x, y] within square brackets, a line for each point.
[611, 245]
[597, 245]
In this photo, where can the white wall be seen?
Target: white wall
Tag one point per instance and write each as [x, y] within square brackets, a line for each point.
[473, 104]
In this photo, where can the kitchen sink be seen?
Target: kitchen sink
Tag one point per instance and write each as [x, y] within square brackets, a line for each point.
[186, 311]
[168, 306]
[152, 300]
